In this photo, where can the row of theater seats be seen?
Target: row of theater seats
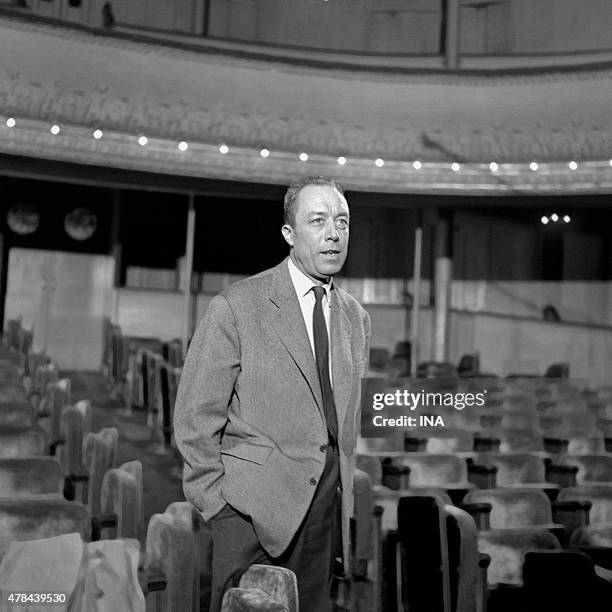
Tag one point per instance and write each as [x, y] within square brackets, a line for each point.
[534, 503]
[144, 373]
[63, 498]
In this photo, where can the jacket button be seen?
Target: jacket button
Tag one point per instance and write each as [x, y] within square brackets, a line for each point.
[313, 481]
[323, 448]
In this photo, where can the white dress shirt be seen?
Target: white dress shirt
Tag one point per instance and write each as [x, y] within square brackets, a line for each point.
[306, 297]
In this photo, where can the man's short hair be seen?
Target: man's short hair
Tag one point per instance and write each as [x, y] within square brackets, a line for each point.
[291, 196]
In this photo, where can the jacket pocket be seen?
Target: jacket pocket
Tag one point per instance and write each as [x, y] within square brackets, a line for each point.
[256, 453]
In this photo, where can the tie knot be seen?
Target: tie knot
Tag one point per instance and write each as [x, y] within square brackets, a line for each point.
[319, 293]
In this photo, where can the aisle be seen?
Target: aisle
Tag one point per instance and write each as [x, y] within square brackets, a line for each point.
[161, 483]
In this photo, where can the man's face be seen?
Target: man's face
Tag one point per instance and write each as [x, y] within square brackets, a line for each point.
[319, 235]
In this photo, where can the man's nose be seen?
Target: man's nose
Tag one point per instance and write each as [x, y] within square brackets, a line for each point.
[331, 232]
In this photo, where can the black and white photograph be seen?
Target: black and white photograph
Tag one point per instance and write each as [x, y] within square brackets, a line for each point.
[306, 305]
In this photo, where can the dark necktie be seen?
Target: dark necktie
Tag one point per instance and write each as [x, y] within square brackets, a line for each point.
[321, 344]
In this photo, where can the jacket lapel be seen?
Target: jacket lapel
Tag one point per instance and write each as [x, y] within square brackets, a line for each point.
[287, 320]
[341, 358]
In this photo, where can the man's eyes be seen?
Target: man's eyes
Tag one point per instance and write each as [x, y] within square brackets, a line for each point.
[339, 222]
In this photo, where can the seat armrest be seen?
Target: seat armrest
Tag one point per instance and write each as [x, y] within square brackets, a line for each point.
[571, 514]
[563, 475]
[480, 513]
[486, 445]
[556, 446]
[600, 555]
[412, 445]
[483, 476]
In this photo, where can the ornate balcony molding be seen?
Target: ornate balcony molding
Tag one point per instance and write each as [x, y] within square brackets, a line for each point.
[129, 87]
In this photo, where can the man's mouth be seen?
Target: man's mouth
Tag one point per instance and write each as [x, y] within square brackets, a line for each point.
[331, 252]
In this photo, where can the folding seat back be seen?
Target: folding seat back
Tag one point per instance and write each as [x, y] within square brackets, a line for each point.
[449, 441]
[121, 497]
[57, 396]
[565, 581]
[445, 471]
[520, 440]
[524, 419]
[43, 375]
[9, 372]
[99, 450]
[440, 557]
[17, 414]
[592, 536]
[507, 549]
[22, 442]
[31, 477]
[591, 468]
[515, 468]
[514, 508]
[263, 588]
[593, 442]
[75, 424]
[172, 547]
[12, 392]
[600, 497]
[23, 519]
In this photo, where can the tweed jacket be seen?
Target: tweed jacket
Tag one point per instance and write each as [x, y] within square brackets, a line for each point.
[249, 416]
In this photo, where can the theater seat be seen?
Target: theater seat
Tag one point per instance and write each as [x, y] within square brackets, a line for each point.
[564, 581]
[263, 588]
[507, 549]
[172, 547]
[121, 502]
[17, 414]
[12, 392]
[34, 519]
[31, 477]
[522, 470]
[591, 468]
[22, 442]
[600, 497]
[99, 452]
[515, 508]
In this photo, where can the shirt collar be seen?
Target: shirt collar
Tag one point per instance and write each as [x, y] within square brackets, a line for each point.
[302, 283]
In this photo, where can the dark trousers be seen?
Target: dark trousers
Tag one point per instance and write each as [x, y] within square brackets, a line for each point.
[311, 554]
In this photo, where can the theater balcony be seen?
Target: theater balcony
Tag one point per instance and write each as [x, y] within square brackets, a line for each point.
[397, 96]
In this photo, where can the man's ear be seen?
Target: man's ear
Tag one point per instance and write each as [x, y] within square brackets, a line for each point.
[287, 231]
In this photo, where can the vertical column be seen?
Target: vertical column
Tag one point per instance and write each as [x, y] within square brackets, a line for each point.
[451, 46]
[442, 285]
[116, 250]
[188, 271]
[416, 296]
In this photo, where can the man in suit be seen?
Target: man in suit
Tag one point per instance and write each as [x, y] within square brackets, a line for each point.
[267, 411]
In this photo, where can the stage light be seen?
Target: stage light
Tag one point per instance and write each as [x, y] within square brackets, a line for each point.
[10, 122]
[534, 166]
[417, 165]
[55, 129]
[554, 217]
[455, 167]
[303, 157]
[98, 134]
[544, 220]
[183, 146]
[142, 141]
[567, 218]
[380, 162]
[494, 167]
[341, 160]
[224, 149]
[572, 165]
[264, 153]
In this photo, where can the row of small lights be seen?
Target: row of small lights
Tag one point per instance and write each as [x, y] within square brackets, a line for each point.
[555, 219]
[224, 150]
